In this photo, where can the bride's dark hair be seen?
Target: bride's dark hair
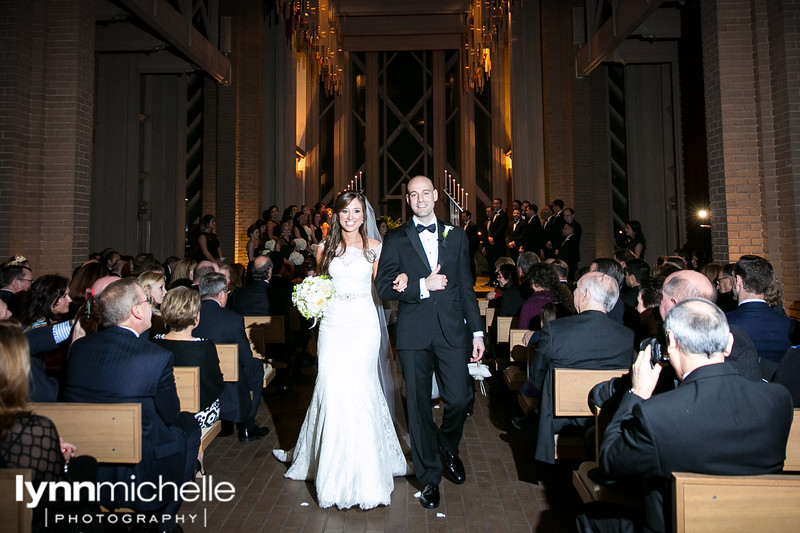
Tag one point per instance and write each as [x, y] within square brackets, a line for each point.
[334, 244]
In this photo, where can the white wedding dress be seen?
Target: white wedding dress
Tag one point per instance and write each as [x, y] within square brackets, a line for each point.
[348, 444]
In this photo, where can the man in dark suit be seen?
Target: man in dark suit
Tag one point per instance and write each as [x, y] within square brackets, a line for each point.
[119, 365]
[497, 237]
[424, 265]
[252, 299]
[715, 422]
[568, 251]
[471, 229]
[533, 241]
[239, 401]
[587, 340]
[516, 234]
[770, 330]
[14, 281]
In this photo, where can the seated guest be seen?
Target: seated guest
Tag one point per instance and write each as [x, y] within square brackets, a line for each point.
[31, 441]
[183, 274]
[546, 289]
[726, 299]
[239, 401]
[612, 268]
[181, 313]
[770, 330]
[589, 339]
[46, 301]
[118, 365]
[253, 299]
[506, 298]
[715, 422]
[15, 280]
[153, 284]
[203, 268]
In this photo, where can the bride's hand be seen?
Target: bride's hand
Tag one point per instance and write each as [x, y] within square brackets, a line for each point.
[400, 283]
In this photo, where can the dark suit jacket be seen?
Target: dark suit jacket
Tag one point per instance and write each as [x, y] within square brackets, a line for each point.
[769, 330]
[114, 366]
[533, 240]
[252, 299]
[472, 238]
[497, 231]
[517, 235]
[222, 326]
[588, 340]
[569, 252]
[715, 422]
[788, 374]
[442, 314]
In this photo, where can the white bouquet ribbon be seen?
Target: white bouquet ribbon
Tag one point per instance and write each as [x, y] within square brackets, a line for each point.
[479, 371]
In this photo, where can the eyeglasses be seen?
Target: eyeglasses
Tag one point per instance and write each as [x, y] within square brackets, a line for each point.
[26, 280]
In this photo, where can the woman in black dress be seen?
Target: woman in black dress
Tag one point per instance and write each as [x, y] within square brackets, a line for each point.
[207, 242]
[636, 241]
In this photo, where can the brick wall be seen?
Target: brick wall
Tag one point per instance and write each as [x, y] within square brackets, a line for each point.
[751, 66]
[45, 159]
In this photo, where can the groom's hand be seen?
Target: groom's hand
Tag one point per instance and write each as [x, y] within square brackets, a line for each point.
[477, 349]
[436, 281]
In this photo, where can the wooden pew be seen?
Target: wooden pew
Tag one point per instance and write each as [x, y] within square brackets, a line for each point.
[570, 399]
[187, 383]
[110, 432]
[504, 325]
[15, 516]
[518, 351]
[489, 317]
[792, 463]
[228, 355]
[263, 330]
[704, 503]
[483, 305]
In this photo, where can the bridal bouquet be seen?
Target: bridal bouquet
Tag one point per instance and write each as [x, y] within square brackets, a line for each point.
[312, 295]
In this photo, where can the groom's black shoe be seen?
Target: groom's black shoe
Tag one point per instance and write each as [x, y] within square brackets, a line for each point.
[429, 498]
[250, 432]
[453, 467]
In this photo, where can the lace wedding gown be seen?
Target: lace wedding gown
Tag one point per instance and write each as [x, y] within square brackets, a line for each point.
[347, 443]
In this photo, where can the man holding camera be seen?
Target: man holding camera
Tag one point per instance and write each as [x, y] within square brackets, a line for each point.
[715, 422]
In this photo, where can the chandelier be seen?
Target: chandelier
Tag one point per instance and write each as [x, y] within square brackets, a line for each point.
[487, 27]
[315, 33]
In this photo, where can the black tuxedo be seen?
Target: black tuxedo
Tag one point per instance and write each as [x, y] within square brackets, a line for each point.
[715, 422]
[569, 252]
[252, 299]
[516, 234]
[222, 326]
[474, 245]
[115, 366]
[533, 241]
[588, 340]
[497, 231]
[433, 334]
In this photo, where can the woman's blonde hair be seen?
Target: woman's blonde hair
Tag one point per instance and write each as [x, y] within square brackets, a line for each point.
[148, 278]
[15, 365]
[180, 308]
[183, 269]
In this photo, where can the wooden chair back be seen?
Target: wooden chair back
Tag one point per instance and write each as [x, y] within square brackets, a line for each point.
[792, 463]
[572, 386]
[517, 351]
[187, 382]
[110, 432]
[704, 503]
[504, 325]
[483, 305]
[263, 330]
[489, 317]
[228, 355]
[15, 516]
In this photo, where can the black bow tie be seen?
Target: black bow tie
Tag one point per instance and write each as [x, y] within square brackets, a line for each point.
[431, 228]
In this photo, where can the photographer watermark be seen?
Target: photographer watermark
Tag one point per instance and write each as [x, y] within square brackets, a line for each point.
[206, 491]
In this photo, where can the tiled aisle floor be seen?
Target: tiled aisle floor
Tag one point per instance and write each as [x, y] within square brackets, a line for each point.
[505, 489]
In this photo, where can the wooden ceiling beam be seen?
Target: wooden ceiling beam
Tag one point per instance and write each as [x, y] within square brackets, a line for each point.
[629, 15]
[177, 30]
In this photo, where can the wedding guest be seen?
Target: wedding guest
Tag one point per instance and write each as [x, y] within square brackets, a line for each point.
[152, 283]
[184, 273]
[636, 242]
[30, 441]
[181, 313]
[46, 302]
[207, 242]
[285, 244]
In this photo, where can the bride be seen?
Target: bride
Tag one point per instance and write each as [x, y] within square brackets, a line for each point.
[348, 444]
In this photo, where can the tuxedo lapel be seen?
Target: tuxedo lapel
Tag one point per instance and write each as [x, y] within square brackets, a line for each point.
[413, 236]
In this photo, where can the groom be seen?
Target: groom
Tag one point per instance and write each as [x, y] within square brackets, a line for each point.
[438, 327]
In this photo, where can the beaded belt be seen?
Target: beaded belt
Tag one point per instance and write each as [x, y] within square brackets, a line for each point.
[352, 295]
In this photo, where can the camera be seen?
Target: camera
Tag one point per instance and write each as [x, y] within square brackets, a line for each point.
[658, 350]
